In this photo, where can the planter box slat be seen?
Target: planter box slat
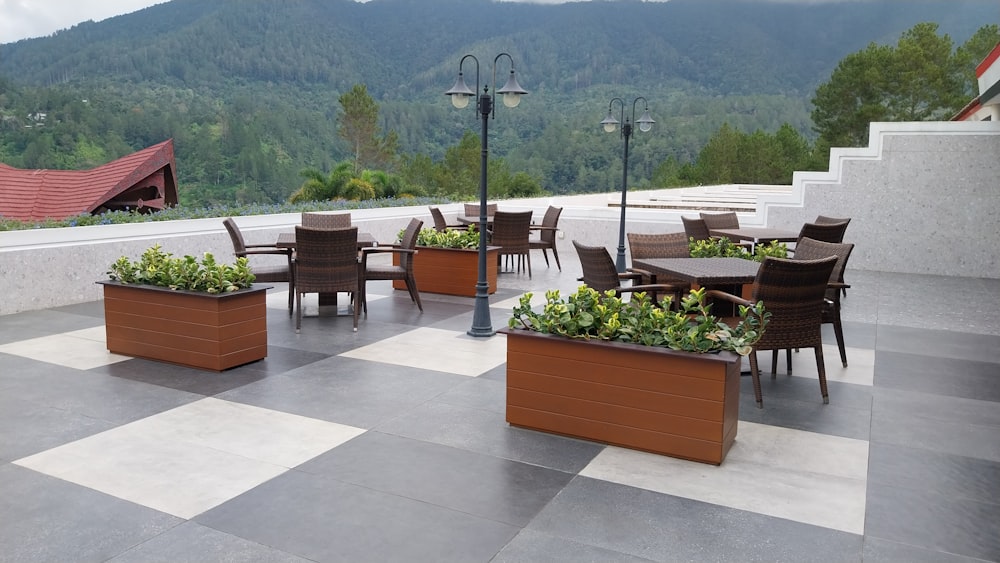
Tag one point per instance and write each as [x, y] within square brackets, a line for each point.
[450, 271]
[215, 332]
[654, 399]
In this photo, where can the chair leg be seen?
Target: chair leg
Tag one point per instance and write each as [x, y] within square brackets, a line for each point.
[821, 370]
[774, 363]
[298, 311]
[364, 297]
[546, 256]
[838, 330]
[755, 375]
[411, 286]
[355, 297]
[556, 255]
[788, 361]
[527, 256]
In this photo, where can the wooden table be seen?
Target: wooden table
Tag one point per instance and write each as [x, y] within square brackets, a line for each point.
[756, 234]
[327, 301]
[726, 274]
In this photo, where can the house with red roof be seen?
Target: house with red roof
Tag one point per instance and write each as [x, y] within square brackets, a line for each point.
[143, 181]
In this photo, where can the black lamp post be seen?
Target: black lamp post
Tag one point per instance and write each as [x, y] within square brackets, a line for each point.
[645, 123]
[460, 94]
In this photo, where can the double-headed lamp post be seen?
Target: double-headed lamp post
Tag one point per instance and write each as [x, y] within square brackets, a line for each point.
[460, 94]
[645, 123]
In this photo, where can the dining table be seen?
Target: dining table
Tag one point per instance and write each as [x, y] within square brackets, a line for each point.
[756, 235]
[726, 274]
[327, 301]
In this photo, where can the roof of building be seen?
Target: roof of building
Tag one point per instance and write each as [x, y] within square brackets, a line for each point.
[144, 180]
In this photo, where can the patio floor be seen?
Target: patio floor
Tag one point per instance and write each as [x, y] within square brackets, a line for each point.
[389, 444]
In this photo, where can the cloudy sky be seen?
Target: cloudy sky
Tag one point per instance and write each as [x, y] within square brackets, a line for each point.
[21, 19]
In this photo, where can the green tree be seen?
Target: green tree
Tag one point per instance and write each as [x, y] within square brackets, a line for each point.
[358, 125]
[921, 78]
[319, 186]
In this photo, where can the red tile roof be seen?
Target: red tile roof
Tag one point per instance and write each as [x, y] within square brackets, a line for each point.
[34, 195]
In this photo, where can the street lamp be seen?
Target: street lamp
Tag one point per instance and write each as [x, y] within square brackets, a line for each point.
[460, 95]
[645, 123]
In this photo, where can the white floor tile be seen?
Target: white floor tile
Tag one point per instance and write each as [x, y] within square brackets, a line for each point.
[189, 459]
[81, 349]
[435, 349]
[802, 476]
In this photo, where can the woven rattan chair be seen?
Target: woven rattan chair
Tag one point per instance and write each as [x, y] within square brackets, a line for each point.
[826, 232]
[264, 273]
[547, 235]
[404, 271]
[660, 245]
[809, 249]
[512, 233]
[695, 228]
[326, 220]
[326, 261]
[472, 209]
[727, 220]
[440, 223]
[600, 273]
[793, 291]
[824, 220]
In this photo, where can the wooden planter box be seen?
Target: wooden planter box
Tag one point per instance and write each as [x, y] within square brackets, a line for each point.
[200, 330]
[647, 398]
[451, 271]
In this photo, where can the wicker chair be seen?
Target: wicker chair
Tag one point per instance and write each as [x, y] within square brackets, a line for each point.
[695, 228]
[793, 291]
[472, 209]
[440, 223]
[727, 220]
[600, 273]
[547, 235]
[826, 232]
[662, 245]
[326, 220]
[809, 249]
[264, 274]
[326, 261]
[512, 233]
[824, 220]
[404, 271]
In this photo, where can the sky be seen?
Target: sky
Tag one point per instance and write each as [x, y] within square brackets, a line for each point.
[23, 19]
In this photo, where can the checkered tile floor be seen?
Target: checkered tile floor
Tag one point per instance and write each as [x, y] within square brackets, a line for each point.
[389, 444]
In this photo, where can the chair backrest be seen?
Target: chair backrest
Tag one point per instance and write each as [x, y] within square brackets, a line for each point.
[439, 223]
[727, 220]
[326, 260]
[512, 231]
[472, 209]
[239, 245]
[695, 227]
[409, 242]
[550, 220]
[326, 220]
[824, 220]
[811, 249]
[661, 245]
[599, 270]
[828, 232]
[793, 292]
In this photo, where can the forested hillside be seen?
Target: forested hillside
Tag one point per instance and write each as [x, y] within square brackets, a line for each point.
[249, 88]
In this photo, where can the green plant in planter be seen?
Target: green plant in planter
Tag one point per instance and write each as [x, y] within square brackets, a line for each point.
[725, 248]
[590, 314]
[159, 268]
[448, 238]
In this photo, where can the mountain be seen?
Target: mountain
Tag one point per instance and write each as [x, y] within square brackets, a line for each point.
[269, 74]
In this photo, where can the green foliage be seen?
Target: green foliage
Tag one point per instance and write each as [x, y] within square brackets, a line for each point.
[358, 125]
[448, 238]
[160, 268]
[722, 247]
[588, 314]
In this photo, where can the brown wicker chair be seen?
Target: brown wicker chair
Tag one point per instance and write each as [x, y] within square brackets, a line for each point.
[728, 220]
[326, 220]
[824, 220]
[661, 245]
[695, 228]
[600, 273]
[547, 235]
[793, 291]
[404, 271]
[326, 261]
[826, 232]
[440, 223]
[264, 274]
[809, 249]
[472, 209]
[512, 233]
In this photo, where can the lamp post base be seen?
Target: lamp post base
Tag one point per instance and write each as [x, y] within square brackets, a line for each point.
[482, 326]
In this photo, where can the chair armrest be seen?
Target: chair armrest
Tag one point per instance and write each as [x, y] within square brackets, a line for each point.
[383, 249]
[271, 250]
[717, 294]
[630, 275]
[272, 245]
[838, 285]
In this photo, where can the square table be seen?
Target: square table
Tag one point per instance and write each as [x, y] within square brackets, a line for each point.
[756, 235]
[726, 274]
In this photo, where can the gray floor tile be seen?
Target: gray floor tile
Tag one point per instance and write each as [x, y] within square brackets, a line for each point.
[938, 375]
[47, 519]
[531, 547]
[794, 402]
[327, 520]
[945, 408]
[970, 440]
[972, 346]
[32, 324]
[883, 551]
[497, 489]
[487, 432]
[478, 393]
[666, 528]
[922, 470]
[194, 543]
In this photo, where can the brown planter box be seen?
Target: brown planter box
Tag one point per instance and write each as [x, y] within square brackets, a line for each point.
[451, 271]
[647, 398]
[200, 330]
